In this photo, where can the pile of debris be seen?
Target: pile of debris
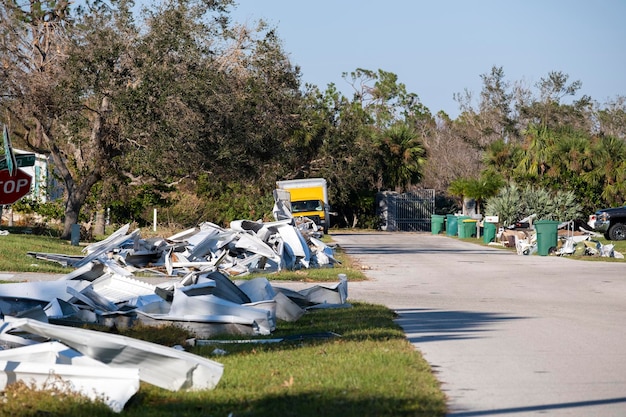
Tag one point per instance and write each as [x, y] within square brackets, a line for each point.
[523, 237]
[585, 245]
[245, 247]
[184, 280]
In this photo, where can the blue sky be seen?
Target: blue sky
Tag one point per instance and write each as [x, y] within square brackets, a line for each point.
[441, 47]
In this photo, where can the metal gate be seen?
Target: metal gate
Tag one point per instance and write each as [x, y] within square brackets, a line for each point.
[406, 212]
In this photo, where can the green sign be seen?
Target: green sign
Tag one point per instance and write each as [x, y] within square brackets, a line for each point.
[21, 160]
[9, 157]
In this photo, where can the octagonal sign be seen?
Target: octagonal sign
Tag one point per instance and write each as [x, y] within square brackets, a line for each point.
[12, 188]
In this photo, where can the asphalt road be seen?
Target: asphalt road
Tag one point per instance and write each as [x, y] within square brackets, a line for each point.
[507, 335]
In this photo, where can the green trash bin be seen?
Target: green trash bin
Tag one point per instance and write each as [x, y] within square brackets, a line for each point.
[547, 235]
[489, 232]
[467, 228]
[460, 231]
[452, 225]
[436, 223]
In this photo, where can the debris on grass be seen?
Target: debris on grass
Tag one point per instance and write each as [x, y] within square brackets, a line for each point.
[192, 280]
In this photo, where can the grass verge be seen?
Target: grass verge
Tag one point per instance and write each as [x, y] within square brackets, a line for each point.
[15, 247]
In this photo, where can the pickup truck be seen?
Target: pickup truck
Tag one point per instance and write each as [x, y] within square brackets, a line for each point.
[611, 222]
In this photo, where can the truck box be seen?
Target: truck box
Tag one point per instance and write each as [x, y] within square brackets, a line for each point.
[308, 198]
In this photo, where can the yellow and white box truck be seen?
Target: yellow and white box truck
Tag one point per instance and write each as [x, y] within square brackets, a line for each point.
[308, 198]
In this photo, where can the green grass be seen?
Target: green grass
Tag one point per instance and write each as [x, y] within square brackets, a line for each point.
[369, 370]
[14, 248]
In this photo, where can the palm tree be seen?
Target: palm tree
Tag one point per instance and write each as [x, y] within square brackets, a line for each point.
[402, 157]
[502, 157]
[535, 155]
[478, 189]
[608, 170]
[570, 155]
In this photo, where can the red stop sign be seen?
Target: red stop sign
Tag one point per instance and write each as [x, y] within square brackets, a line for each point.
[12, 188]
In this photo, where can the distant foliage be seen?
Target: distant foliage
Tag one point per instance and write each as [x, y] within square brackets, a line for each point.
[139, 205]
[536, 201]
[187, 111]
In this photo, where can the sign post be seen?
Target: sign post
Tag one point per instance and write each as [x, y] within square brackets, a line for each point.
[9, 156]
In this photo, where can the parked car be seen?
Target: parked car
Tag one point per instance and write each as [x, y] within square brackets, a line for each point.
[611, 222]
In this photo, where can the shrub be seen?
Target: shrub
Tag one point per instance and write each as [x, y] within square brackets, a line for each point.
[512, 204]
[505, 205]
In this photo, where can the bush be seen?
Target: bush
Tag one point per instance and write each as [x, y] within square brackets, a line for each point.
[505, 205]
[139, 205]
[219, 204]
[512, 204]
[51, 210]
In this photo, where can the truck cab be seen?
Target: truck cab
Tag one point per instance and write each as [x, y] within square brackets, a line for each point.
[611, 222]
[308, 198]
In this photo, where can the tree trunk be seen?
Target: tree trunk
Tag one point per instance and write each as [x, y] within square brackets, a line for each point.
[71, 217]
[77, 186]
[355, 220]
[76, 197]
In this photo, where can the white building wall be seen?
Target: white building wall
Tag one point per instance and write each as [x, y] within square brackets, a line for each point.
[42, 186]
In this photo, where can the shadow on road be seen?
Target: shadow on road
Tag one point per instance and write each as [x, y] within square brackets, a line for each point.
[538, 408]
[427, 325]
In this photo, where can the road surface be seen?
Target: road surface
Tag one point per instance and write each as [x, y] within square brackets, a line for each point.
[507, 335]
